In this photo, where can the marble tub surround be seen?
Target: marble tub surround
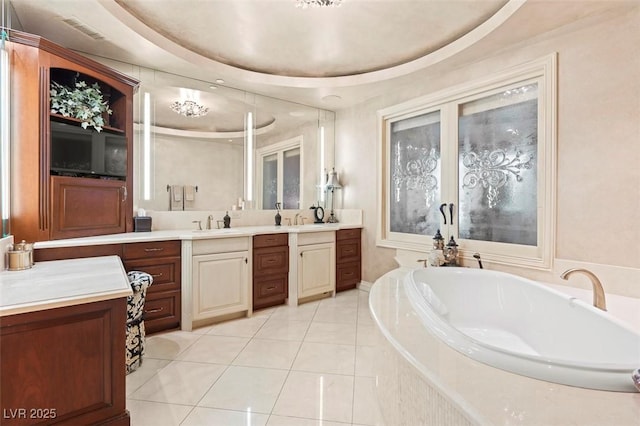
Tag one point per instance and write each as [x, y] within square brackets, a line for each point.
[465, 391]
[618, 280]
[61, 283]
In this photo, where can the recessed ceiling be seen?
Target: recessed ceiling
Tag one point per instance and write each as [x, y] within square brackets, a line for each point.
[327, 58]
[275, 37]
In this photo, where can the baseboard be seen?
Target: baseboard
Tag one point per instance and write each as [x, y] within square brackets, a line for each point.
[364, 285]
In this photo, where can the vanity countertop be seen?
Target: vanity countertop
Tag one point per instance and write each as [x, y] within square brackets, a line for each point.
[190, 234]
[61, 283]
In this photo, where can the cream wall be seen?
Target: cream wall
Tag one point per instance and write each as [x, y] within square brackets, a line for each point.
[598, 153]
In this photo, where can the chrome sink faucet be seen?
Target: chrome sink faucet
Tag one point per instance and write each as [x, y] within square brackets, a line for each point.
[295, 219]
[598, 292]
[209, 221]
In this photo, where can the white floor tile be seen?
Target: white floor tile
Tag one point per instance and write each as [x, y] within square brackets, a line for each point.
[303, 312]
[245, 389]
[244, 327]
[169, 345]
[325, 358]
[214, 349]
[201, 416]
[145, 413]
[147, 370]
[368, 335]
[268, 353]
[283, 329]
[180, 383]
[365, 356]
[324, 332]
[336, 313]
[365, 405]
[297, 421]
[316, 396]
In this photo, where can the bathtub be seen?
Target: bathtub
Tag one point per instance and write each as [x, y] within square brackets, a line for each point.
[523, 327]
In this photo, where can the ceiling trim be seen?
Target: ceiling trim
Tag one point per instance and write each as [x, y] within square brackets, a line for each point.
[451, 49]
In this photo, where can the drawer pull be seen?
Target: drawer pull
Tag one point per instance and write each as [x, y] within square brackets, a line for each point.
[153, 311]
[348, 274]
[271, 288]
[270, 261]
[152, 249]
[157, 275]
[349, 251]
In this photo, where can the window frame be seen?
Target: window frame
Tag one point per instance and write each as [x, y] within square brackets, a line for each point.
[543, 72]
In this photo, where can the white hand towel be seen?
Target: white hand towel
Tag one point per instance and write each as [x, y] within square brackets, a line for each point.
[176, 191]
[189, 193]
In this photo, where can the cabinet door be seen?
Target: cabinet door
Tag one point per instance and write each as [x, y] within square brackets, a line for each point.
[84, 207]
[316, 269]
[220, 284]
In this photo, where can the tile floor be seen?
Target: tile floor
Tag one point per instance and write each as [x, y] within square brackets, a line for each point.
[286, 366]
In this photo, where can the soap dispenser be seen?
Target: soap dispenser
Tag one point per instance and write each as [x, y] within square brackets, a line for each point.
[451, 253]
[227, 220]
[278, 216]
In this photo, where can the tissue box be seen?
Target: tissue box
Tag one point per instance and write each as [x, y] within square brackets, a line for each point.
[142, 224]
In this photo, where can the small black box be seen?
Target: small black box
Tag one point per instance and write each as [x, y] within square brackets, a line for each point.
[142, 224]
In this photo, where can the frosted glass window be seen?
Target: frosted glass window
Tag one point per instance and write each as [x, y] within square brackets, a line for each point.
[497, 178]
[269, 181]
[415, 174]
[291, 179]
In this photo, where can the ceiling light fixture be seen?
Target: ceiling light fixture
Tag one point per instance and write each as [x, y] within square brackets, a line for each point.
[188, 104]
[318, 3]
[189, 108]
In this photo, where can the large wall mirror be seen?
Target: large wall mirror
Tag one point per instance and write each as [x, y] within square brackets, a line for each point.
[248, 149]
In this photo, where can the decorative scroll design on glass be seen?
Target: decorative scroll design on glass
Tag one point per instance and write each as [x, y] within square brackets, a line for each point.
[491, 170]
[417, 173]
[497, 170]
[414, 174]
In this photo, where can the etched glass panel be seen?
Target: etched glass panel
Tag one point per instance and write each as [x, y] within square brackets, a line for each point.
[415, 174]
[497, 147]
[269, 181]
[291, 179]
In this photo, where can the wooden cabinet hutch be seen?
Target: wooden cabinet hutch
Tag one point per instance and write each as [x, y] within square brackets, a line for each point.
[50, 202]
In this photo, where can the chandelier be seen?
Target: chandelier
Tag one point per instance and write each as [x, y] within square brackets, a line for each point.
[318, 3]
[189, 108]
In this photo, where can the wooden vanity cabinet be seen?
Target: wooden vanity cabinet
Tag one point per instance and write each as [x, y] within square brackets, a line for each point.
[270, 270]
[48, 204]
[65, 365]
[160, 259]
[348, 258]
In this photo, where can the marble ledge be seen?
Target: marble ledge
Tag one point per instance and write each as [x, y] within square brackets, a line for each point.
[191, 234]
[61, 283]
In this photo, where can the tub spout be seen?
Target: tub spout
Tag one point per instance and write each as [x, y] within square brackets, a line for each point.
[476, 256]
[598, 292]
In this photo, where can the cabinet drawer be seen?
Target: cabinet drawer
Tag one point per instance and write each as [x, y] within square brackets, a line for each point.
[162, 311]
[348, 251]
[151, 249]
[270, 240]
[270, 291]
[348, 234]
[271, 260]
[165, 272]
[348, 275]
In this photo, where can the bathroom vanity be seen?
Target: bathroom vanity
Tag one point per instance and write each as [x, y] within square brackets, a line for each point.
[201, 277]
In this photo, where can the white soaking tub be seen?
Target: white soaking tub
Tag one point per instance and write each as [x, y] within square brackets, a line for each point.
[524, 327]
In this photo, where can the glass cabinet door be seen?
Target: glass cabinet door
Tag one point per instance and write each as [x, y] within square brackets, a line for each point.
[414, 174]
[497, 173]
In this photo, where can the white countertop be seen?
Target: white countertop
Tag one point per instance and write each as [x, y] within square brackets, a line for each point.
[190, 234]
[62, 283]
[491, 395]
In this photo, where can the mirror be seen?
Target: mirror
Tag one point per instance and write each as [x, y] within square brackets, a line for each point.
[227, 155]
